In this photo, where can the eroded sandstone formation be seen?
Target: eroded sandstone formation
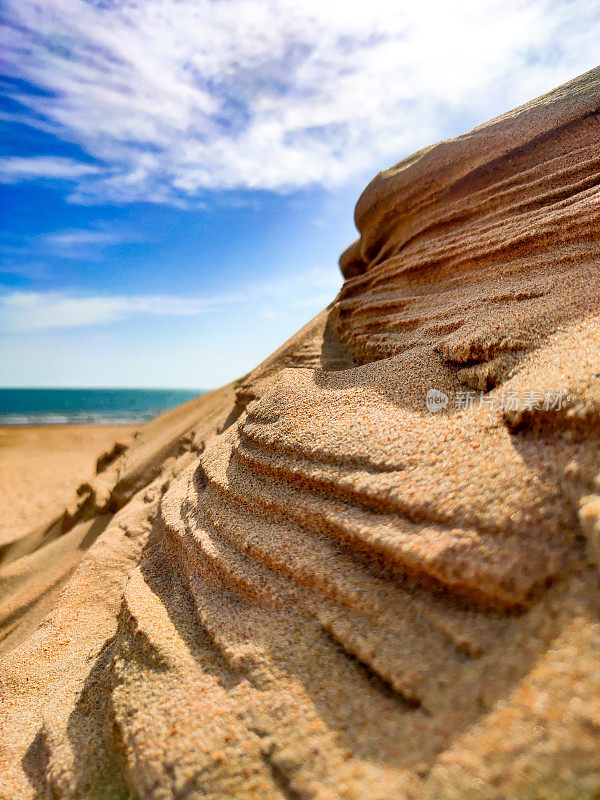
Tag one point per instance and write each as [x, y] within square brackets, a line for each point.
[306, 584]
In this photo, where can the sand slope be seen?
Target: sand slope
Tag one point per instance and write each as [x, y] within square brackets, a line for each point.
[307, 585]
[40, 466]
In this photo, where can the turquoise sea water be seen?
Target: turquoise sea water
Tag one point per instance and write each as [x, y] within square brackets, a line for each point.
[79, 406]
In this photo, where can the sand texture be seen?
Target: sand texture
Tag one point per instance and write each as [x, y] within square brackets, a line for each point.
[40, 466]
[305, 584]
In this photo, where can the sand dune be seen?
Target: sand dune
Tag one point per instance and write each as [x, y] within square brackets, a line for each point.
[306, 584]
[40, 466]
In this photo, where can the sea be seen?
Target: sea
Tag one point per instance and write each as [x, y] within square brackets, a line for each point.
[84, 406]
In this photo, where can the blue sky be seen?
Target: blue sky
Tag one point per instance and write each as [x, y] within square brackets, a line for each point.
[178, 177]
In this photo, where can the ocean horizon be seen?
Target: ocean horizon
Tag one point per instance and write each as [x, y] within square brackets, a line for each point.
[84, 406]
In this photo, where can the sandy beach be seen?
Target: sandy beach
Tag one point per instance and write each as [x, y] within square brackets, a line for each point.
[42, 466]
[313, 582]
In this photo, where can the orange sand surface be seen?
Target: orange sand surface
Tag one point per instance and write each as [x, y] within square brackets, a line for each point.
[42, 465]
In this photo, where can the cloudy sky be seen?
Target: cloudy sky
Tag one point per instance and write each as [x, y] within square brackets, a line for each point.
[177, 177]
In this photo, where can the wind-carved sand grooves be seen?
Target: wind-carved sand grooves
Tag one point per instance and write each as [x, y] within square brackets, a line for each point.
[311, 587]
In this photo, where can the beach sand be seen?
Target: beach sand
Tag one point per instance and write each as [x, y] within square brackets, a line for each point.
[41, 467]
[307, 585]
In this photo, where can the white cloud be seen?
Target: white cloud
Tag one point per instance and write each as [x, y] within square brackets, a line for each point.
[15, 169]
[28, 311]
[82, 236]
[179, 97]
[82, 243]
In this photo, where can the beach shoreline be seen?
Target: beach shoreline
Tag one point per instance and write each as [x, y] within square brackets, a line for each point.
[42, 465]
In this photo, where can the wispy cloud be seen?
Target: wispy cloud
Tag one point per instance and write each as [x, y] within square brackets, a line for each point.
[35, 311]
[28, 311]
[15, 169]
[82, 243]
[179, 97]
[82, 236]
[73, 243]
